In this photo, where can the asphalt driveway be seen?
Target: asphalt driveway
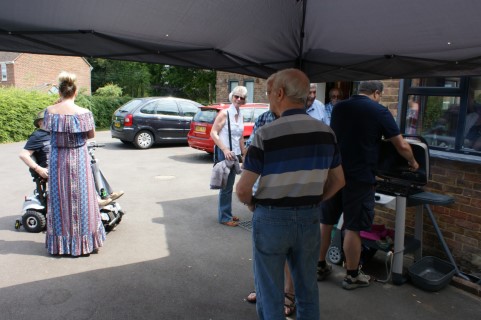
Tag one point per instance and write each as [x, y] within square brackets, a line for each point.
[169, 258]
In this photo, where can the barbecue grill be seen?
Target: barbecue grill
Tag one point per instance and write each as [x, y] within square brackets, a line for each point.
[397, 180]
[394, 174]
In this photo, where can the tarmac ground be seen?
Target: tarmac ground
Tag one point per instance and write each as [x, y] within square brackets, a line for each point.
[169, 258]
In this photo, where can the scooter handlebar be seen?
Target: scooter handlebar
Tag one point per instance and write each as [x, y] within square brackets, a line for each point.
[94, 144]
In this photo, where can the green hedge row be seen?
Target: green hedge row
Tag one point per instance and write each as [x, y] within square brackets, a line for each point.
[19, 107]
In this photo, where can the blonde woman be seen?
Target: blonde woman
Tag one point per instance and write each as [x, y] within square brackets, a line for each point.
[74, 225]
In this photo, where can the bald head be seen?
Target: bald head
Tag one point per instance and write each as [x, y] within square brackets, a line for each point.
[287, 89]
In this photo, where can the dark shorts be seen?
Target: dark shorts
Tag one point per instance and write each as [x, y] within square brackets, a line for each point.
[356, 200]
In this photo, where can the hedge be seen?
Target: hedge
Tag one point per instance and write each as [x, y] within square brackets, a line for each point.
[19, 107]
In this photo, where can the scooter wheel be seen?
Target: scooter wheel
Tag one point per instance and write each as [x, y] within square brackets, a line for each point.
[33, 221]
[335, 255]
[17, 224]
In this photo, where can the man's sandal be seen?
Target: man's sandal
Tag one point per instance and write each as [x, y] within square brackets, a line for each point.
[235, 218]
[230, 223]
[289, 307]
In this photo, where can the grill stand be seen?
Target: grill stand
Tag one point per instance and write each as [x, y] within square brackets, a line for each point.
[420, 200]
[423, 201]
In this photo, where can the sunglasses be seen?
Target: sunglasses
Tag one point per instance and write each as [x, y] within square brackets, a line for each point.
[239, 97]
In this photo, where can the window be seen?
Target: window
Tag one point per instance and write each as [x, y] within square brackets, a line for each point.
[131, 105]
[149, 108]
[249, 84]
[206, 115]
[435, 118]
[451, 82]
[232, 85]
[444, 111]
[4, 71]
[53, 90]
[246, 114]
[258, 112]
[188, 108]
[167, 107]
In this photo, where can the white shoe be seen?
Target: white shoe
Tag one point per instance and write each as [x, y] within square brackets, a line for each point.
[116, 195]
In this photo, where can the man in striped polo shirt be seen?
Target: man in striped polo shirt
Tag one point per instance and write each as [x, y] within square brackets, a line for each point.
[299, 165]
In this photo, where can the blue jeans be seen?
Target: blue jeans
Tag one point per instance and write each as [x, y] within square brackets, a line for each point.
[225, 199]
[279, 234]
[225, 195]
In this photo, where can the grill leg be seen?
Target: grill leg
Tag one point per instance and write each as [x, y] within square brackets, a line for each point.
[418, 232]
[397, 268]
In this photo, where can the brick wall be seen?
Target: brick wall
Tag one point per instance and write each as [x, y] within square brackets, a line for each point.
[222, 86]
[10, 76]
[390, 96]
[33, 70]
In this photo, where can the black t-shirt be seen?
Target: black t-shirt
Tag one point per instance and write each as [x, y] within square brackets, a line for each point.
[359, 124]
[39, 143]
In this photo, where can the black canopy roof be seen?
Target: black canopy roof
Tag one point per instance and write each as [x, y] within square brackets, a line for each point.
[328, 39]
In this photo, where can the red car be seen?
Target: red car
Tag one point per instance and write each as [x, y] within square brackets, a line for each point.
[199, 134]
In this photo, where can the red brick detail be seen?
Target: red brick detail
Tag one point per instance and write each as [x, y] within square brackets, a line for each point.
[40, 72]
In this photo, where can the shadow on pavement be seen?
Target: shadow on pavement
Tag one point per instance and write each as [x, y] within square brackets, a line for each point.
[205, 276]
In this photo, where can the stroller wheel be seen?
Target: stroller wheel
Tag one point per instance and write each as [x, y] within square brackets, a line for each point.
[335, 255]
[17, 224]
[33, 221]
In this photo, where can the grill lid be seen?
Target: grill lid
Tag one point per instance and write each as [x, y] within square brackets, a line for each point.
[394, 168]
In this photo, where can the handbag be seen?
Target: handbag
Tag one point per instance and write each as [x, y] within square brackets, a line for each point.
[218, 154]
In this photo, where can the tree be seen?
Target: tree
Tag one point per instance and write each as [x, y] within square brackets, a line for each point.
[141, 79]
[182, 82]
[132, 77]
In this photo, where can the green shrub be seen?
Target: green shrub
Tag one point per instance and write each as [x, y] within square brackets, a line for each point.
[19, 108]
[109, 90]
[104, 107]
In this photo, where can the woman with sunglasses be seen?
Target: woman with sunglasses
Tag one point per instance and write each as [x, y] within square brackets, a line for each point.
[228, 135]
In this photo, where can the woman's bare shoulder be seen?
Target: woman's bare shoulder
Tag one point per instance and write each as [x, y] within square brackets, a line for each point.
[80, 110]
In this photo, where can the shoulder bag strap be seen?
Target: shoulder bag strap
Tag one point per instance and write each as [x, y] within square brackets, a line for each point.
[228, 127]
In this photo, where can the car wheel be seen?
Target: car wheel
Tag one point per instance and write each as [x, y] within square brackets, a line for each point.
[33, 221]
[144, 140]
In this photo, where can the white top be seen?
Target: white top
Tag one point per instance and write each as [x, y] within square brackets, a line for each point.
[236, 128]
[318, 111]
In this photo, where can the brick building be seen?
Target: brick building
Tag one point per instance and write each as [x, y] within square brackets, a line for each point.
[40, 72]
[455, 166]
[226, 81]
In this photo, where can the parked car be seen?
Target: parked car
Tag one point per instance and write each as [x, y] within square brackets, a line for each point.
[199, 134]
[146, 121]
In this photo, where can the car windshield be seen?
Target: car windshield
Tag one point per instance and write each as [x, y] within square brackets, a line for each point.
[205, 115]
[131, 105]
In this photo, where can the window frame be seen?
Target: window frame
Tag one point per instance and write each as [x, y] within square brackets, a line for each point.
[4, 72]
[250, 85]
[462, 92]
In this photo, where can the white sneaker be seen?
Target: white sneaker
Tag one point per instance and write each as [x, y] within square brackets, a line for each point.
[362, 280]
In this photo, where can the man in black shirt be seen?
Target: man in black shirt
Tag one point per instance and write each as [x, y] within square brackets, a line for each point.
[36, 150]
